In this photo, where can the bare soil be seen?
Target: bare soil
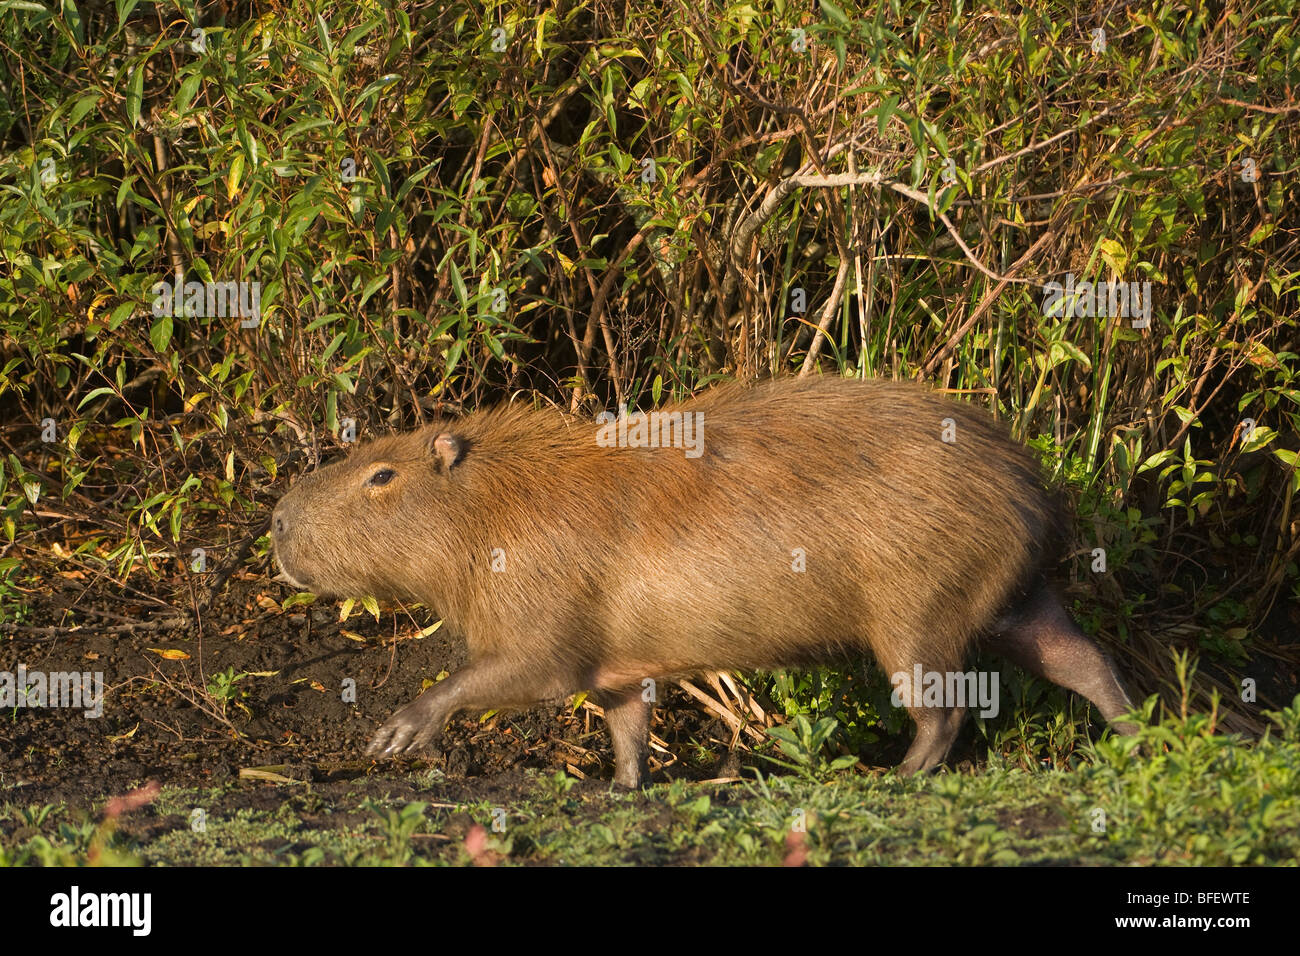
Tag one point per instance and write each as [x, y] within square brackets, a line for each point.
[288, 714]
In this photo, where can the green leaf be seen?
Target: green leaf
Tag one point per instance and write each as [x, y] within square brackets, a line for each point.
[1156, 460]
[1262, 232]
[1289, 458]
[72, 16]
[373, 286]
[376, 86]
[124, 8]
[323, 33]
[885, 112]
[1115, 255]
[1260, 438]
[247, 142]
[94, 394]
[161, 334]
[833, 13]
[135, 94]
[356, 33]
[83, 106]
[305, 125]
[458, 285]
[185, 95]
[453, 356]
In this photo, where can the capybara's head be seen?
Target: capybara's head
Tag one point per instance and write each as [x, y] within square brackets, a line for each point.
[363, 526]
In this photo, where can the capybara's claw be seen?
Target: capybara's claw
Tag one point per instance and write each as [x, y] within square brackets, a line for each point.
[405, 731]
[384, 742]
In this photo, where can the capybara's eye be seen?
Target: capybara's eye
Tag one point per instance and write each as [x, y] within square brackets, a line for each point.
[382, 477]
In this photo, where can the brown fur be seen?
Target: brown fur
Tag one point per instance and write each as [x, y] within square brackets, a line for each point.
[630, 563]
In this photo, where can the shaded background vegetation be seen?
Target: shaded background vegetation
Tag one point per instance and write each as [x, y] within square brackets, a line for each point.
[591, 203]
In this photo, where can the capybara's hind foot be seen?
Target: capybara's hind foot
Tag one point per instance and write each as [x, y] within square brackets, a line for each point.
[1043, 639]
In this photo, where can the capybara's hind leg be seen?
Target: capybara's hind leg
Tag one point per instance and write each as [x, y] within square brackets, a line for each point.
[484, 684]
[628, 719]
[936, 729]
[1041, 637]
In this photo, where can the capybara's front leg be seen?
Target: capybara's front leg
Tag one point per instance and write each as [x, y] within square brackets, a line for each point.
[482, 685]
[627, 715]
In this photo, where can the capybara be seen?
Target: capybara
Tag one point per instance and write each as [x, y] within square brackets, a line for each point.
[790, 523]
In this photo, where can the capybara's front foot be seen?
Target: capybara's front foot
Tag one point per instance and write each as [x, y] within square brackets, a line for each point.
[631, 777]
[412, 728]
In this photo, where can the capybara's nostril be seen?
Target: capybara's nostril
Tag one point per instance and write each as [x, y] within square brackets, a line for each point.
[279, 526]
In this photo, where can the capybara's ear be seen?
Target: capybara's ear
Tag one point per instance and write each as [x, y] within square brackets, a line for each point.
[448, 448]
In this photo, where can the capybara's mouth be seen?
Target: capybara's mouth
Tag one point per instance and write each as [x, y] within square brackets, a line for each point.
[284, 577]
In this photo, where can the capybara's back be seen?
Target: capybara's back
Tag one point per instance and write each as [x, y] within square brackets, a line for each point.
[793, 522]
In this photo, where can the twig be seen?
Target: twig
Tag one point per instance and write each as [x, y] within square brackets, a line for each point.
[227, 568]
[828, 314]
[727, 716]
[54, 631]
